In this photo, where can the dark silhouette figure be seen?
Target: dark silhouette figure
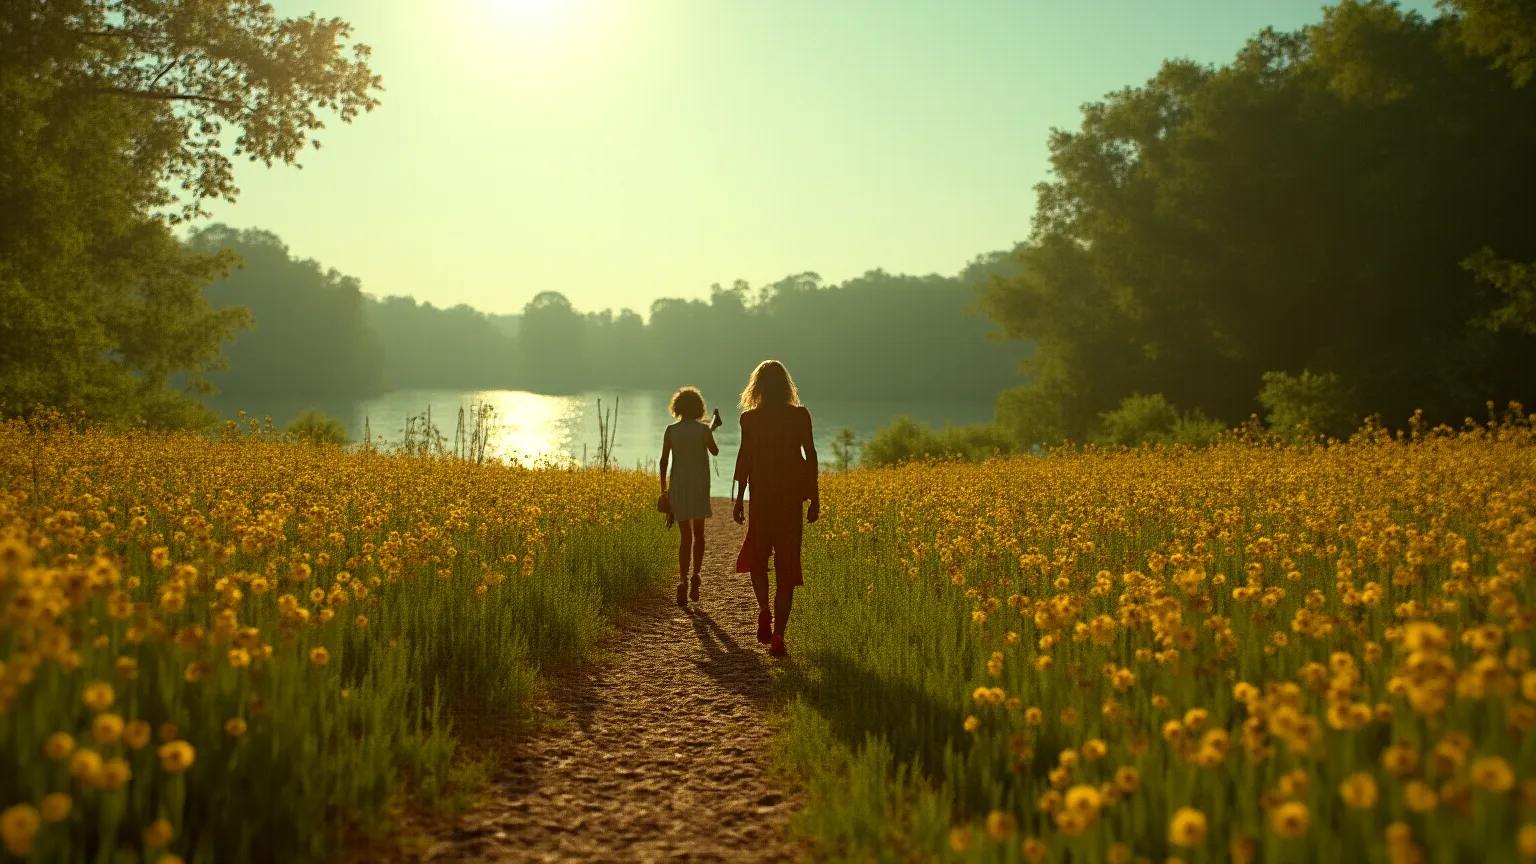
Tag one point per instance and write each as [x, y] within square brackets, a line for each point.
[687, 497]
[778, 461]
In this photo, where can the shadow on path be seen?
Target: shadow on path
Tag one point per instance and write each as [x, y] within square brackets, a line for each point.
[660, 754]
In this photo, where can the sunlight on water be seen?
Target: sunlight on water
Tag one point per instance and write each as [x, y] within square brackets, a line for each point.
[539, 428]
[531, 426]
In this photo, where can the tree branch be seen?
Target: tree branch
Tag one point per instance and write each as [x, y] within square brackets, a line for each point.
[111, 32]
[168, 67]
[158, 94]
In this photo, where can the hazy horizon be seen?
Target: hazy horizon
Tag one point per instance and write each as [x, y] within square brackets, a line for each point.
[619, 152]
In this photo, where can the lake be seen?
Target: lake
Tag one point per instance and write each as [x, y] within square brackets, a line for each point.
[537, 427]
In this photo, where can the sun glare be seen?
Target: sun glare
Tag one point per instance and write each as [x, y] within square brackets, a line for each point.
[531, 28]
[526, 11]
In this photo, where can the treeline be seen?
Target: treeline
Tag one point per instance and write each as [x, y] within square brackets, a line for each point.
[879, 336]
[1344, 208]
[309, 335]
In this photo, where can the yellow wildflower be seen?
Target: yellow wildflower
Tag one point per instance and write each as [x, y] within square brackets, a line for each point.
[1290, 820]
[159, 833]
[1359, 790]
[56, 807]
[136, 734]
[58, 746]
[1493, 774]
[98, 696]
[106, 728]
[1187, 828]
[176, 756]
[18, 826]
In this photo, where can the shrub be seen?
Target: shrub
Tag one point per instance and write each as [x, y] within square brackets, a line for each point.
[906, 440]
[1031, 416]
[1197, 430]
[1139, 420]
[1304, 406]
[1154, 420]
[314, 427]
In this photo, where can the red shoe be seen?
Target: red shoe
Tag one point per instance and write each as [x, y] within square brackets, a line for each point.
[764, 626]
[776, 646]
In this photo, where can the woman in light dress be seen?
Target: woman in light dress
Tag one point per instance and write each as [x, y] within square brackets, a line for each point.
[687, 446]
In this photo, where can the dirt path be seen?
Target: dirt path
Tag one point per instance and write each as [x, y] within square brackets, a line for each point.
[661, 755]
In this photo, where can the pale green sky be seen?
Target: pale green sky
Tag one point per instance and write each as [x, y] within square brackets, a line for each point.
[624, 150]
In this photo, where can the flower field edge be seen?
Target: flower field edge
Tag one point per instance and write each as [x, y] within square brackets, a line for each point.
[1245, 652]
[239, 650]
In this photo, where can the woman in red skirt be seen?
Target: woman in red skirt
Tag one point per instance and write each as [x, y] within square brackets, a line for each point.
[778, 461]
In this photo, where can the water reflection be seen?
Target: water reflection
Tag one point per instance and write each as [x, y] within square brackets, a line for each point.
[537, 427]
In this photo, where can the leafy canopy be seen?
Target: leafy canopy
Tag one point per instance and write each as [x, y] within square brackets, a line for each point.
[1306, 206]
[123, 117]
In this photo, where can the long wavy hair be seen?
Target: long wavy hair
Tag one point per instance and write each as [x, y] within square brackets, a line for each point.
[770, 385]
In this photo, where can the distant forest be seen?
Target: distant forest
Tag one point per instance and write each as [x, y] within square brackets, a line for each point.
[316, 334]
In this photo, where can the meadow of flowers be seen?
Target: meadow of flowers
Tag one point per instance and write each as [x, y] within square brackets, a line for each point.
[1251, 652]
[238, 649]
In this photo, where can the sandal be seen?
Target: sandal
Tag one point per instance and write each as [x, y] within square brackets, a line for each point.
[693, 593]
[776, 646]
[682, 595]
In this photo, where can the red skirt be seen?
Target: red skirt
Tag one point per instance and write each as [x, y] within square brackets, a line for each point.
[774, 532]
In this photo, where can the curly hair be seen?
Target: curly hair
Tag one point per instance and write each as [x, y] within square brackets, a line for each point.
[687, 404]
[770, 384]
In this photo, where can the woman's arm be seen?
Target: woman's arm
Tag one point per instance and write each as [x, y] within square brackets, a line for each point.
[743, 469]
[808, 444]
[666, 455]
[709, 442]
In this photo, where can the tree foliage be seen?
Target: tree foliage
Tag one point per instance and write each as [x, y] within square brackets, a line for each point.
[116, 114]
[1516, 284]
[1299, 407]
[310, 337]
[312, 426]
[426, 347]
[1305, 206]
[1503, 30]
[906, 440]
[1153, 419]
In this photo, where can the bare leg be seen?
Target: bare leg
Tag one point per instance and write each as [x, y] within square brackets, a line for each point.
[783, 599]
[684, 549]
[760, 588]
[698, 546]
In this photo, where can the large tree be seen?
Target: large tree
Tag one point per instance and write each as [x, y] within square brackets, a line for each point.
[1305, 207]
[122, 118]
